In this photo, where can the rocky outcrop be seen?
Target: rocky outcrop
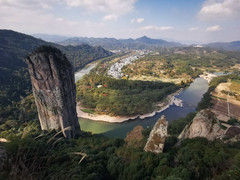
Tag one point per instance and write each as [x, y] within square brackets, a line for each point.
[134, 137]
[157, 136]
[205, 124]
[54, 90]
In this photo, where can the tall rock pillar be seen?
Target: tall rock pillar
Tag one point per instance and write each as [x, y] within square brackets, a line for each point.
[157, 136]
[54, 90]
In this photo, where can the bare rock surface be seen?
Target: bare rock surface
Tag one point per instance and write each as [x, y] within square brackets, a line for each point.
[54, 90]
[157, 136]
[205, 124]
[135, 136]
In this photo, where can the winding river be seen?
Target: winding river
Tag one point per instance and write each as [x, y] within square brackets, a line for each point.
[189, 96]
[86, 70]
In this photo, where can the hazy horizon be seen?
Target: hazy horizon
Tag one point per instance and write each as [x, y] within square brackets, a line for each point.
[166, 39]
[182, 21]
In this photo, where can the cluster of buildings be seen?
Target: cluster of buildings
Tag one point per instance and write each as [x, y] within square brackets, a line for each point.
[116, 69]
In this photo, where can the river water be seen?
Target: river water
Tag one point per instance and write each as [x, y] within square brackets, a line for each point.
[82, 72]
[189, 96]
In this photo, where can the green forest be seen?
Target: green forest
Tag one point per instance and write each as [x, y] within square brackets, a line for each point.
[121, 97]
[46, 155]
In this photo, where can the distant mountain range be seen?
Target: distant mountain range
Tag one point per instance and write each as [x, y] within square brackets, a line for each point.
[14, 47]
[230, 46]
[50, 38]
[117, 44]
[139, 43]
[113, 43]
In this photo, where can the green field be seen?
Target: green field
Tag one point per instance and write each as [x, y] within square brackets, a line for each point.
[235, 86]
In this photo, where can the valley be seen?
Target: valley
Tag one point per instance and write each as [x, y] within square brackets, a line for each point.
[190, 98]
[179, 68]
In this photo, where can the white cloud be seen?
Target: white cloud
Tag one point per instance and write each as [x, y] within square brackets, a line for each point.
[193, 29]
[38, 16]
[52, 17]
[214, 28]
[110, 17]
[111, 8]
[29, 4]
[138, 20]
[215, 9]
[157, 28]
[116, 7]
[132, 20]
[31, 21]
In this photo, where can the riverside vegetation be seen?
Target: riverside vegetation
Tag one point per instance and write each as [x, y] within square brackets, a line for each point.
[121, 97]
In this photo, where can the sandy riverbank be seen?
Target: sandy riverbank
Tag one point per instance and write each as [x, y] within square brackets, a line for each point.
[208, 76]
[169, 100]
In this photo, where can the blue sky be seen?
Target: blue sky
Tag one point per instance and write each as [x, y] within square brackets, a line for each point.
[177, 20]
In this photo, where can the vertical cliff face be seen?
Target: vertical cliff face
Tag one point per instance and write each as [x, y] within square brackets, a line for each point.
[157, 136]
[54, 90]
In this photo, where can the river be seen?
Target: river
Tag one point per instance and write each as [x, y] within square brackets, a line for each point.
[189, 96]
[86, 70]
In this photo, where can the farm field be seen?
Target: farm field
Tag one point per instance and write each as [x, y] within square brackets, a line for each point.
[225, 100]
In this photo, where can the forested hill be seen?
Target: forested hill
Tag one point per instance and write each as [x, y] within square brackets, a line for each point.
[14, 47]
[83, 54]
[230, 46]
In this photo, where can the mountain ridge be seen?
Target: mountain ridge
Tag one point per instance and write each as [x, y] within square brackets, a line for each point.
[140, 43]
[114, 43]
